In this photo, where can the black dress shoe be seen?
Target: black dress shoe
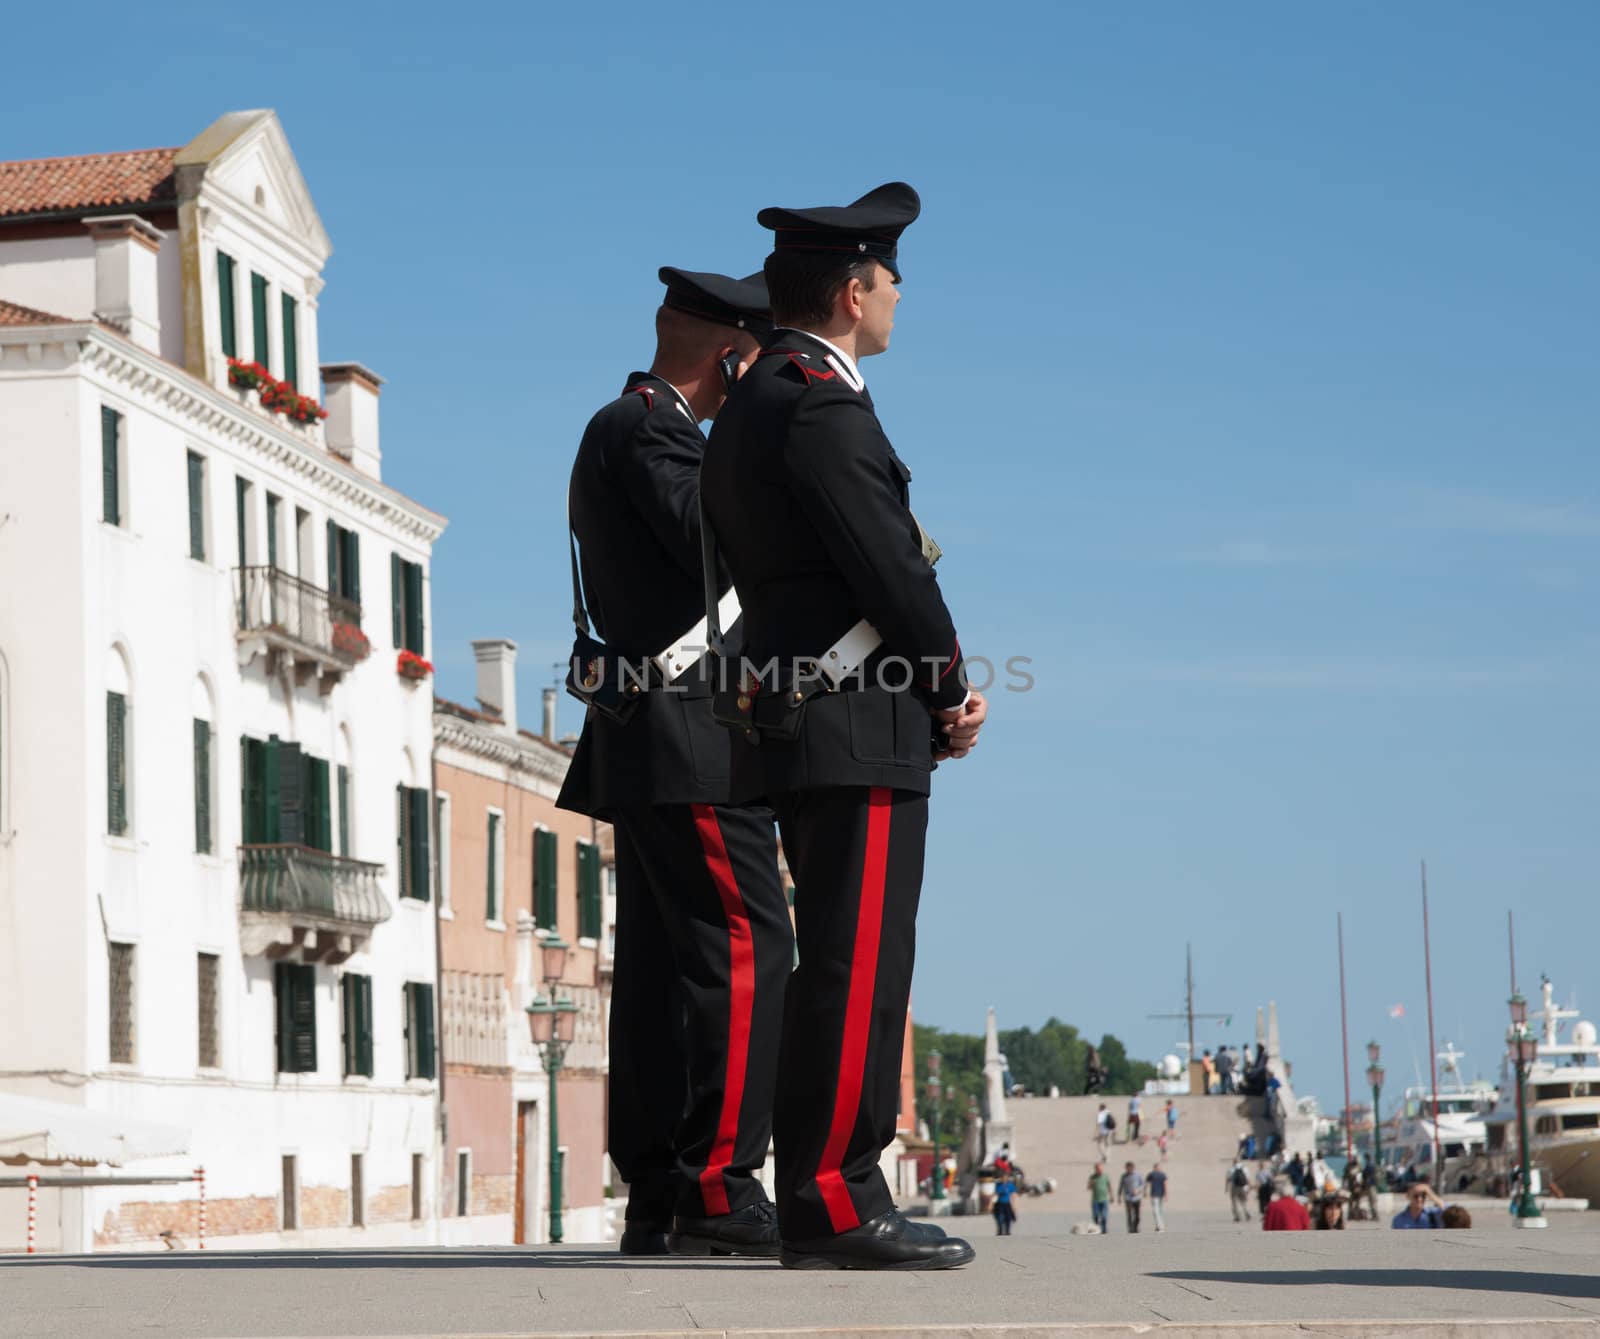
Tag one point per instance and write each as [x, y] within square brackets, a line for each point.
[889, 1241]
[644, 1236]
[752, 1230]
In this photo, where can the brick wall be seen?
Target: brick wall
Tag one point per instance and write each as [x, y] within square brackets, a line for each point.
[145, 1220]
[392, 1204]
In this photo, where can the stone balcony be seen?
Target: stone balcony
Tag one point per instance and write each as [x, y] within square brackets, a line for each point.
[294, 900]
[297, 626]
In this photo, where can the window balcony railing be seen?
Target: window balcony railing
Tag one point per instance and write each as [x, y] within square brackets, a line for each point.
[311, 889]
[282, 613]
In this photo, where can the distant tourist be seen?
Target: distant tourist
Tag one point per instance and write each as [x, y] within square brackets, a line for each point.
[1423, 1208]
[1094, 1071]
[1264, 1180]
[1296, 1172]
[1157, 1182]
[1208, 1067]
[1172, 1118]
[1099, 1187]
[1237, 1184]
[1330, 1213]
[1455, 1215]
[1286, 1213]
[1130, 1194]
[1225, 1083]
[1103, 1128]
[1005, 1212]
[1133, 1118]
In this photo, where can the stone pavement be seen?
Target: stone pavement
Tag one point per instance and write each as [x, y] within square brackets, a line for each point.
[1203, 1277]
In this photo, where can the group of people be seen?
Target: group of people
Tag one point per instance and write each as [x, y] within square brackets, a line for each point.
[820, 715]
[1245, 1075]
[1301, 1193]
[1105, 1126]
[1132, 1190]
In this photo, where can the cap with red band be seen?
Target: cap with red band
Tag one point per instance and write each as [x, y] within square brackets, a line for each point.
[871, 226]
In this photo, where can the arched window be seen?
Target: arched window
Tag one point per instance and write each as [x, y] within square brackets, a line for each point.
[119, 742]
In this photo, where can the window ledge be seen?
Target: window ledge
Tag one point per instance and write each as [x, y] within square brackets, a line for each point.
[495, 925]
[419, 903]
[211, 1072]
[446, 914]
[123, 843]
[584, 941]
[210, 860]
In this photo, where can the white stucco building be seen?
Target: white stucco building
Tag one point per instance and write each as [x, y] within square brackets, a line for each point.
[215, 905]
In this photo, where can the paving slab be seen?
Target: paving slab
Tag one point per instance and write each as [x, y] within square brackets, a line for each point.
[1205, 1277]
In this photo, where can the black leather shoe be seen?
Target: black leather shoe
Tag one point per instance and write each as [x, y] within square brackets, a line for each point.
[752, 1230]
[644, 1236]
[889, 1241]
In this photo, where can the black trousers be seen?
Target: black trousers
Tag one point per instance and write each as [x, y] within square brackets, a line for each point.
[856, 856]
[703, 953]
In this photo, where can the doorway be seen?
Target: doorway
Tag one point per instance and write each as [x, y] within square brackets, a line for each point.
[525, 1224]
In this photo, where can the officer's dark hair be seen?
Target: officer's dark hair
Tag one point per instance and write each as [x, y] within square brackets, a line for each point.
[803, 285]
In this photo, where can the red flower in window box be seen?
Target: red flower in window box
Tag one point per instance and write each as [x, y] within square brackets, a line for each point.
[350, 641]
[277, 397]
[412, 666]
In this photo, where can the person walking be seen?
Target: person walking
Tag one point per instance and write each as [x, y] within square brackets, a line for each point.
[1237, 1184]
[1094, 1073]
[1103, 1129]
[1005, 1211]
[1157, 1183]
[1099, 1187]
[848, 672]
[1208, 1067]
[1264, 1179]
[1133, 1118]
[1225, 1083]
[1172, 1119]
[1130, 1194]
[703, 940]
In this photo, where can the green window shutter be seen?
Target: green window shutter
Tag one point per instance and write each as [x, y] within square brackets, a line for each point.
[230, 333]
[294, 986]
[397, 599]
[258, 318]
[324, 809]
[271, 826]
[252, 786]
[110, 465]
[413, 621]
[492, 898]
[273, 505]
[282, 995]
[116, 764]
[291, 343]
[202, 786]
[588, 891]
[352, 566]
[402, 804]
[422, 1007]
[545, 847]
[347, 1022]
[364, 1027]
[334, 557]
[241, 502]
[197, 507]
[291, 770]
[344, 810]
[419, 804]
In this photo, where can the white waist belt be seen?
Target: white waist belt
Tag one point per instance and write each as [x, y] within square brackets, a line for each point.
[846, 655]
[684, 652]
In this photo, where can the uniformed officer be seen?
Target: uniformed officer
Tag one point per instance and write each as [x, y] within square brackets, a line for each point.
[848, 671]
[703, 939]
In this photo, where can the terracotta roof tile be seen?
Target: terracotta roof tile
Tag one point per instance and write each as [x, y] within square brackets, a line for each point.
[14, 313]
[51, 185]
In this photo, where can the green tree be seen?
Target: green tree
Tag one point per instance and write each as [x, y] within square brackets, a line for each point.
[1122, 1074]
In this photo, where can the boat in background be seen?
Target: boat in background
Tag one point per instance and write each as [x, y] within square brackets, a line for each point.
[1563, 1107]
[1463, 1131]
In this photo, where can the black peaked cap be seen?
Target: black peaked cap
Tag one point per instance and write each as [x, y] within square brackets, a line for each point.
[871, 226]
[741, 303]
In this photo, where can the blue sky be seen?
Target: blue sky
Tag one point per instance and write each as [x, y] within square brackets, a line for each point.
[1247, 370]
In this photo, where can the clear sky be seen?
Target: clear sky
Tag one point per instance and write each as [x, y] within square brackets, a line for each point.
[1248, 373]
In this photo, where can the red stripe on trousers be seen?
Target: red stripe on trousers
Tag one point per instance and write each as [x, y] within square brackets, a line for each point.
[857, 1014]
[741, 1002]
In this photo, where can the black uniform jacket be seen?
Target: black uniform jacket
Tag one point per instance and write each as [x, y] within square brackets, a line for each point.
[634, 505]
[810, 508]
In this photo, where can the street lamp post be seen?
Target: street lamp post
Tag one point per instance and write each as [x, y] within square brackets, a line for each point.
[1375, 1078]
[552, 1021]
[1524, 1051]
[935, 1092]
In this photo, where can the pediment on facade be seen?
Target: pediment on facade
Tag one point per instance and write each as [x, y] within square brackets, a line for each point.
[247, 160]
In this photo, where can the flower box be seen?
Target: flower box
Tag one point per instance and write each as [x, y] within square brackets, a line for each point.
[412, 666]
[277, 397]
[349, 640]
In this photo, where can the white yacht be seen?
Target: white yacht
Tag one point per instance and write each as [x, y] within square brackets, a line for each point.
[1563, 1106]
[1463, 1132]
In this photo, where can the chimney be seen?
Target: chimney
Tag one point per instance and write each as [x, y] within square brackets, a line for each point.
[550, 715]
[125, 292]
[350, 395]
[497, 679]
